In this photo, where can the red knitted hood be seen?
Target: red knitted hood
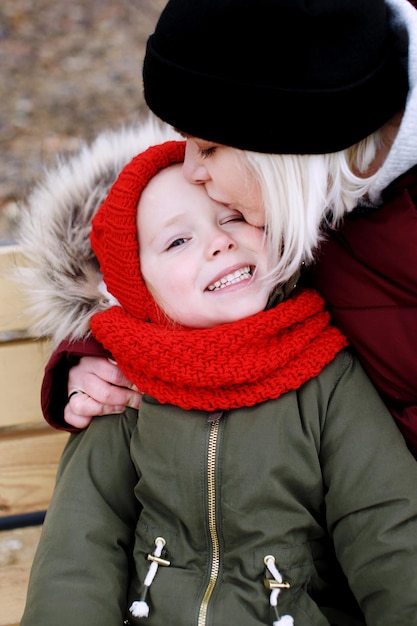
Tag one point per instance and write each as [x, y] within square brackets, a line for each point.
[114, 230]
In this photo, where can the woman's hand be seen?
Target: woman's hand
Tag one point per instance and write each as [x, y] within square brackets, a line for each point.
[96, 386]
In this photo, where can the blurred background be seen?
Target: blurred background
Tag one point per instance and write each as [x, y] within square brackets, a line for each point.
[69, 69]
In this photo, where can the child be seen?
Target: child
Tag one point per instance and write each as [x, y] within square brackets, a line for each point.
[235, 495]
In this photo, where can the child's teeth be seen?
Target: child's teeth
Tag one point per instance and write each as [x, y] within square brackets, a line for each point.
[229, 279]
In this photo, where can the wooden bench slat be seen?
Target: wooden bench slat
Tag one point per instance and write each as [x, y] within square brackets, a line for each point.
[17, 549]
[28, 463]
[21, 371]
[13, 305]
[13, 584]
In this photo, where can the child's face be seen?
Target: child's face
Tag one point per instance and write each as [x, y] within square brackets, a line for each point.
[190, 245]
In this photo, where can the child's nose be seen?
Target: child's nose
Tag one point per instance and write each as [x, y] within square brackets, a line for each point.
[221, 242]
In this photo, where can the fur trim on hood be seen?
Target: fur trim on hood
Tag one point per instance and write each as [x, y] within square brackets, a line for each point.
[62, 277]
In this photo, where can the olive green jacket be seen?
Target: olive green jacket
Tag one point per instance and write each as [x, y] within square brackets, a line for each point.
[320, 479]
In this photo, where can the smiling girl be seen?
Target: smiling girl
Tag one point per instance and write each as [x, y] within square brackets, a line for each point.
[235, 494]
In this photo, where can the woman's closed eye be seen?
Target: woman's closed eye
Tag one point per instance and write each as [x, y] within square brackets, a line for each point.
[235, 216]
[206, 152]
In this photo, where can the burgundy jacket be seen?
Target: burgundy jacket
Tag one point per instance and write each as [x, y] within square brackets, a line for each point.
[367, 272]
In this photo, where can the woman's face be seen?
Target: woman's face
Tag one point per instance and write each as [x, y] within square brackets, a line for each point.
[226, 177]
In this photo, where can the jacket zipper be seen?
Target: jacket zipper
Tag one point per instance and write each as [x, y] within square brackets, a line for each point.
[211, 512]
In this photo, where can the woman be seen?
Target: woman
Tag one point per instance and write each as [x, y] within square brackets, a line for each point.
[317, 93]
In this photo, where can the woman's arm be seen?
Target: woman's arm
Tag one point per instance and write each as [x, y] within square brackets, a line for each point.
[83, 366]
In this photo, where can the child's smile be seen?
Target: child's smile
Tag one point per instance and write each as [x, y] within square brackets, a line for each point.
[244, 273]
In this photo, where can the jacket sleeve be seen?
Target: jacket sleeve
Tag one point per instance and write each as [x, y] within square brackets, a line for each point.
[372, 295]
[81, 570]
[54, 391]
[371, 500]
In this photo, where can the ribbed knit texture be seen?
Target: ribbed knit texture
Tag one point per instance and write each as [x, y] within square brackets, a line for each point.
[225, 367]
[228, 366]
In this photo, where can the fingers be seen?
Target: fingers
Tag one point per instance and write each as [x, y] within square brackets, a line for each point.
[97, 387]
[81, 409]
[118, 378]
[104, 382]
[102, 398]
[101, 367]
[80, 413]
[77, 421]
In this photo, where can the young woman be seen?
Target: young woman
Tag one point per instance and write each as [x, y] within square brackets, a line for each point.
[322, 98]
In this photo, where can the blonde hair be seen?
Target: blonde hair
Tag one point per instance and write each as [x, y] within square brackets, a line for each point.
[304, 195]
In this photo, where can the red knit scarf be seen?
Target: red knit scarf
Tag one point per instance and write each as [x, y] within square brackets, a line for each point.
[229, 366]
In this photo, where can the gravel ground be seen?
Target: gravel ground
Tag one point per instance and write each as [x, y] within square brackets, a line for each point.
[69, 69]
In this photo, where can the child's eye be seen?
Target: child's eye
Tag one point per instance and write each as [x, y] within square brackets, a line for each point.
[177, 242]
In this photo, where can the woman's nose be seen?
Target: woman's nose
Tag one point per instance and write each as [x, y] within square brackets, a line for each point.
[193, 168]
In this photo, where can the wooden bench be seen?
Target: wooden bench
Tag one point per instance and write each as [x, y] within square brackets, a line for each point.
[29, 448]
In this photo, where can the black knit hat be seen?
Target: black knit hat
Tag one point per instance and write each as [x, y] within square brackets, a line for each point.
[279, 76]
